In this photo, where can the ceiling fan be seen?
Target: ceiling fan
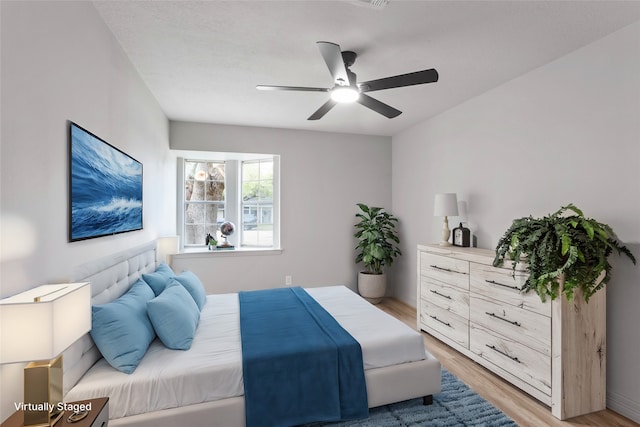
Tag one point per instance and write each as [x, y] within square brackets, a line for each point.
[347, 89]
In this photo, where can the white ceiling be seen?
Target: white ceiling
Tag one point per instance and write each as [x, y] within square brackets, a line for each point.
[202, 60]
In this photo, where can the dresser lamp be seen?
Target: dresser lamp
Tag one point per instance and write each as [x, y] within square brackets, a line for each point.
[445, 204]
[36, 326]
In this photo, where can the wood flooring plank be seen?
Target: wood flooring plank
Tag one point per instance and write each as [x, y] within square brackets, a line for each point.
[522, 408]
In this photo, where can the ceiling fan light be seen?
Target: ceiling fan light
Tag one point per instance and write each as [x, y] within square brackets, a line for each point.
[345, 94]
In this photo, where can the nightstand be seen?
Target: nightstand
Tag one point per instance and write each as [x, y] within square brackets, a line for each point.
[98, 416]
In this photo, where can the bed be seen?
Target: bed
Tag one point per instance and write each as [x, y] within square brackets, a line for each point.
[161, 392]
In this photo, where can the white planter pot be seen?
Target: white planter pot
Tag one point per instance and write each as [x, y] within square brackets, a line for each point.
[372, 287]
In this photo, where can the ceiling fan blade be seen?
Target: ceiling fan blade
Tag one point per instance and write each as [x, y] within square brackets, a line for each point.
[378, 107]
[298, 88]
[320, 112]
[333, 57]
[409, 79]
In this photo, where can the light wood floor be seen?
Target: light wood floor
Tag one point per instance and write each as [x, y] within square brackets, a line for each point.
[522, 408]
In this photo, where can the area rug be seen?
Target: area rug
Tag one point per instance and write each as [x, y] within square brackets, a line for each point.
[456, 405]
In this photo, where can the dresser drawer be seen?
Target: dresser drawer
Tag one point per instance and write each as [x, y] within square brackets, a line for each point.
[449, 270]
[519, 360]
[445, 296]
[499, 284]
[526, 327]
[452, 326]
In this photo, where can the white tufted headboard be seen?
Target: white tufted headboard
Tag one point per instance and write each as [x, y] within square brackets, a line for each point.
[110, 277]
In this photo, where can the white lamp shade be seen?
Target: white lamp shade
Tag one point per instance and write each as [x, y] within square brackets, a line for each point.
[168, 245]
[445, 204]
[42, 330]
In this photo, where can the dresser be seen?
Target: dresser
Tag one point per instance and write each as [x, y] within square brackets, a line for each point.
[555, 351]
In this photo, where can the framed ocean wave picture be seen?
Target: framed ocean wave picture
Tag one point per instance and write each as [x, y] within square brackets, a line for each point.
[105, 187]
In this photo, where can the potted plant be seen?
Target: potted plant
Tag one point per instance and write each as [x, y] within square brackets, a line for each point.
[376, 248]
[564, 253]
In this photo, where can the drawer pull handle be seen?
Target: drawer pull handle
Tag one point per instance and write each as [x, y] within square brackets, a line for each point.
[513, 322]
[447, 269]
[493, 282]
[493, 347]
[439, 294]
[441, 321]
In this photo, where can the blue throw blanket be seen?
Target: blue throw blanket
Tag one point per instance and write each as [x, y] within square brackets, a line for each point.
[299, 365]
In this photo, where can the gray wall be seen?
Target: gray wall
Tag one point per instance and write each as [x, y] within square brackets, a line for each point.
[59, 63]
[566, 132]
[323, 176]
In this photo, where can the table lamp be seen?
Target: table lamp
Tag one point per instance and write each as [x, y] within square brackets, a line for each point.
[445, 204]
[167, 246]
[36, 326]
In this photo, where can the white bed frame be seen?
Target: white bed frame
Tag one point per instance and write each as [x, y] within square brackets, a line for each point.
[113, 276]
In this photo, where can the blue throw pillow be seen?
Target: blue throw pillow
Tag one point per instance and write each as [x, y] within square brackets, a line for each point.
[122, 330]
[174, 315]
[195, 287]
[159, 279]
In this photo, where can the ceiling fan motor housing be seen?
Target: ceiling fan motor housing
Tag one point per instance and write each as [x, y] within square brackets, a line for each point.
[349, 58]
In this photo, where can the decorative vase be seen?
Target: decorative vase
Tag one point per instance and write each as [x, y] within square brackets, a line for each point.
[372, 287]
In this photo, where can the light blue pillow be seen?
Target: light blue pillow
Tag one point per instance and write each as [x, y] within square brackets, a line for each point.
[174, 315]
[195, 287]
[159, 279]
[122, 330]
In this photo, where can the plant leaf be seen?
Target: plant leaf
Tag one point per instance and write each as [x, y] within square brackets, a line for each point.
[587, 227]
[566, 243]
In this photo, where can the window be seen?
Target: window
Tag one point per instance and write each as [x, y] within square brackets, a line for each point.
[239, 188]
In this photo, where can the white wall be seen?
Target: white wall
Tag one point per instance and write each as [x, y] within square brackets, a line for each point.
[323, 176]
[566, 132]
[59, 63]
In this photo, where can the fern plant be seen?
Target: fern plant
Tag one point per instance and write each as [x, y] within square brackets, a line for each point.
[377, 238]
[563, 244]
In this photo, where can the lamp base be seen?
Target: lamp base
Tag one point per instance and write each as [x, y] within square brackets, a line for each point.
[445, 233]
[43, 392]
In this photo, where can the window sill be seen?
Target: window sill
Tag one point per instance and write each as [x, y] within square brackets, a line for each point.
[203, 252]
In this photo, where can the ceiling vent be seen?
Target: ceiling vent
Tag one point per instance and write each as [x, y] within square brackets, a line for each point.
[373, 4]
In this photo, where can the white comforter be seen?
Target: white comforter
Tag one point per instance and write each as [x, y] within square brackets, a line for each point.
[212, 368]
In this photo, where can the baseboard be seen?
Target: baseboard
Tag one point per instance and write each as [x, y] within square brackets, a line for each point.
[624, 406]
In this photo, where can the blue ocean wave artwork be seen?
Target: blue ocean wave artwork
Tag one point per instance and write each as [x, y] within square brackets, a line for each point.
[106, 188]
